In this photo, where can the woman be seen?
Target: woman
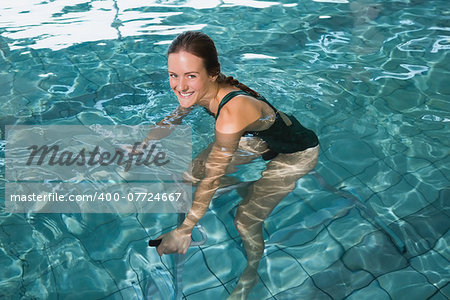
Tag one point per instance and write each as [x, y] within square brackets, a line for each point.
[245, 121]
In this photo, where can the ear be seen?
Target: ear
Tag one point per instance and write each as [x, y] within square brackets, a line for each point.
[213, 78]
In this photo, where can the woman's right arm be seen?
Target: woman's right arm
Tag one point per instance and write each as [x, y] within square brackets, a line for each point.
[165, 127]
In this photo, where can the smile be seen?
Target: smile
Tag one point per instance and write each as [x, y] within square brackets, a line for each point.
[186, 94]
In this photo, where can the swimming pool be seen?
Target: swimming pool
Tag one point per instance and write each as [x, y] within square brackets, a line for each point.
[370, 77]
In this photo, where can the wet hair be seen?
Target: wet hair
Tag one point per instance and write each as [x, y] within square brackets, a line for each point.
[201, 45]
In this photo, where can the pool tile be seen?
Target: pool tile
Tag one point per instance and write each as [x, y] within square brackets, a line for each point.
[14, 106]
[158, 283]
[295, 235]
[351, 229]
[307, 290]
[225, 260]
[404, 164]
[309, 189]
[223, 209]
[359, 129]
[93, 117]
[128, 293]
[6, 85]
[403, 283]
[260, 291]
[430, 150]
[216, 230]
[426, 189]
[94, 279]
[430, 224]
[446, 291]
[385, 145]
[414, 242]
[280, 271]
[111, 90]
[439, 296]
[123, 273]
[443, 245]
[198, 275]
[287, 214]
[444, 166]
[320, 199]
[11, 273]
[395, 148]
[441, 202]
[342, 152]
[211, 292]
[339, 281]
[126, 72]
[43, 287]
[385, 212]
[155, 225]
[36, 264]
[434, 176]
[372, 291]
[13, 231]
[114, 242]
[375, 254]
[318, 255]
[138, 263]
[434, 266]
[358, 188]
[402, 199]
[229, 286]
[379, 177]
[408, 92]
[342, 170]
[25, 82]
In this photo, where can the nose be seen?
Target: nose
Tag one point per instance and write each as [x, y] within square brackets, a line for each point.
[182, 85]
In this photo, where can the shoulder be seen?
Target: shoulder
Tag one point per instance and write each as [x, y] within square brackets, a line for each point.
[237, 114]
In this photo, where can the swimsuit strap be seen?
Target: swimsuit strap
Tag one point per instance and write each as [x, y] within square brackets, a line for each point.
[233, 94]
[227, 98]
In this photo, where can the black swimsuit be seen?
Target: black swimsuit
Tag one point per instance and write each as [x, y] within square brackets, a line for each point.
[285, 135]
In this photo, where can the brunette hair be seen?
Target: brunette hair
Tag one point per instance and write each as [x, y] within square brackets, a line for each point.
[201, 45]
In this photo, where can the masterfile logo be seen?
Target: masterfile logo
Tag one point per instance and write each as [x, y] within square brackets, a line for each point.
[97, 168]
[53, 156]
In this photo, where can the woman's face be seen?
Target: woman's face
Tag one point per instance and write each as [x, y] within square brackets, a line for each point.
[188, 78]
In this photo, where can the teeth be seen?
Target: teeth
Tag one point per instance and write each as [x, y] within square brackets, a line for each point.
[186, 94]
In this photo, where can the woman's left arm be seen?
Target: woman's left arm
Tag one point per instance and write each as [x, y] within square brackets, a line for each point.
[233, 121]
[218, 159]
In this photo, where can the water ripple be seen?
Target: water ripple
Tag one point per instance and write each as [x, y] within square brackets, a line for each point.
[413, 71]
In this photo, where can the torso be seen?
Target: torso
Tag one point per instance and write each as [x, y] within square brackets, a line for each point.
[284, 134]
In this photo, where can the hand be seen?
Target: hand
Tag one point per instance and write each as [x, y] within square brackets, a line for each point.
[174, 241]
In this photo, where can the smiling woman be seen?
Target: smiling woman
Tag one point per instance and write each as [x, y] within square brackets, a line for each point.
[291, 149]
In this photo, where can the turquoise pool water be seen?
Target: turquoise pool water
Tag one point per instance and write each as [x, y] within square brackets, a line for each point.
[370, 77]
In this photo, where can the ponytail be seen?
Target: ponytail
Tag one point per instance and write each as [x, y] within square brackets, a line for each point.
[234, 82]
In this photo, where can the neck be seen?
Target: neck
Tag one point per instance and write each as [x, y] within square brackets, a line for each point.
[215, 94]
[211, 99]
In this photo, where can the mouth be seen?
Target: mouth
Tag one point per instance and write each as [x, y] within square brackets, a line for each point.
[185, 95]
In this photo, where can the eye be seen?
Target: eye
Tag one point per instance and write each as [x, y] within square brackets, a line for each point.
[173, 75]
[192, 76]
